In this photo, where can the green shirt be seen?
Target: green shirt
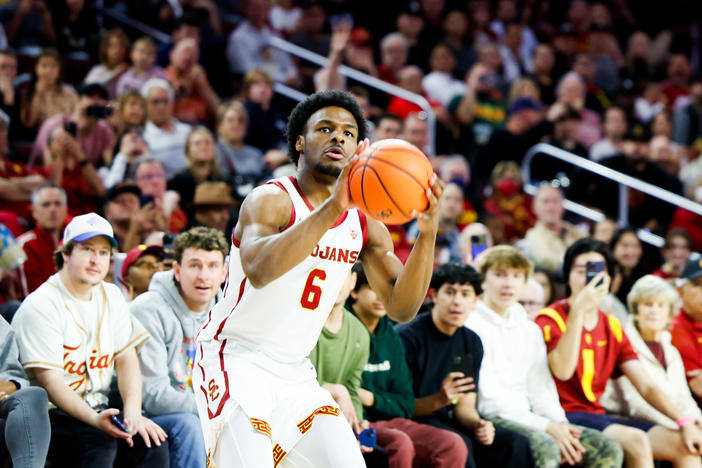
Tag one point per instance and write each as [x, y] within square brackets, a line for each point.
[340, 357]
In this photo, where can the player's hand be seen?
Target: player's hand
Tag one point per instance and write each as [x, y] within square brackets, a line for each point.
[454, 386]
[103, 422]
[428, 220]
[568, 439]
[591, 295]
[485, 432]
[147, 429]
[342, 196]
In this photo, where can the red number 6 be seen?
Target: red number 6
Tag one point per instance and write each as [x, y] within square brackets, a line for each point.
[312, 293]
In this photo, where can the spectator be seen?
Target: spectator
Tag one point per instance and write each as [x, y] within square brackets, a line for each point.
[651, 102]
[51, 326]
[628, 251]
[523, 87]
[77, 31]
[212, 205]
[652, 303]
[185, 27]
[311, 34]
[410, 23]
[49, 211]
[284, 16]
[516, 389]
[512, 62]
[447, 399]
[415, 130]
[46, 94]
[387, 126]
[28, 23]
[676, 252]
[687, 121]
[509, 204]
[164, 134]
[386, 392]
[584, 65]
[248, 47]
[114, 49]
[25, 431]
[132, 220]
[543, 61]
[661, 125]
[678, 72]
[9, 98]
[571, 91]
[615, 127]
[150, 177]
[240, 163]
[143, 69]
[394, 51]
[665, 154]
[266, 122]
[439, 84]
[138, 267]
[547, 241]
[129, 113]
[196, 101]
[132, 146]
[172, 311]
[94, 134]
[456, 36]
[582, 366]
[686, 326]
[410, 77]
[532, 297]
[202, 165]
[73, 171]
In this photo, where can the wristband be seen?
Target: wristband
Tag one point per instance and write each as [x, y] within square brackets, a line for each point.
[684, 421]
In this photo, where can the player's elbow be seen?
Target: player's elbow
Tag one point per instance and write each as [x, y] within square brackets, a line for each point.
[401, 316]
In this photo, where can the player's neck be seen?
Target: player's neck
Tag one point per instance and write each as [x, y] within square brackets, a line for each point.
[315, 187]
[78, 289]
[335, 321]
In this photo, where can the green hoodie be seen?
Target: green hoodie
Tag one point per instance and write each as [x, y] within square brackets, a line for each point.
[386, 375]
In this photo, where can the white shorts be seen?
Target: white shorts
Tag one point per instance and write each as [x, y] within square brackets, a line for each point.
[280, 399]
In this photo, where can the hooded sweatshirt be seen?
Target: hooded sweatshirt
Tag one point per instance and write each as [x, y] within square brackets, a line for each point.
[167, 358]
[10, 368]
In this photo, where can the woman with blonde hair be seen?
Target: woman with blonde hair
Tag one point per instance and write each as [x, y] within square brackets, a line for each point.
[652, 303]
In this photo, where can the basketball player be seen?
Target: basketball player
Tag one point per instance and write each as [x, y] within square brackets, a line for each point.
[294, 244]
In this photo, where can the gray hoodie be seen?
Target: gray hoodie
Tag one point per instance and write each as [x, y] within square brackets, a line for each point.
[167, 357]
[10, 368]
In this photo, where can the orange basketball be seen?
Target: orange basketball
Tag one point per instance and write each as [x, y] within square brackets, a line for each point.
[390, 180]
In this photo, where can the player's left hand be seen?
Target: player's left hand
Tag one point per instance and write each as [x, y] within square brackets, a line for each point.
[428, 220]
[147, 429]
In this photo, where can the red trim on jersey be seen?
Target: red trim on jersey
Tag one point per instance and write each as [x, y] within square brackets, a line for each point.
[241, 293]
[340, 219]
[364, 227]
[292, 205]
[302, 195]
[200, 366]
[225, 395]
[235, 241]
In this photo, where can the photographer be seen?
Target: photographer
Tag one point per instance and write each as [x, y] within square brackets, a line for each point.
[132, 215]
[86, 124]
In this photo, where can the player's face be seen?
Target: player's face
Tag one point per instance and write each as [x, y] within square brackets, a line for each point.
[652, 314]
[330, 139]
[140, 272]
[199, 273]
[89, 261]
[367, 303]
[577, 278]
[452, 304]
[502, 286]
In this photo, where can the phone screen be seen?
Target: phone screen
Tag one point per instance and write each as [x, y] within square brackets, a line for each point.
[478, 244]
[592, 269]
[463, 363]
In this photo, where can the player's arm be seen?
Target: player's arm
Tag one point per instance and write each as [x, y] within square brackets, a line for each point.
[402, 289]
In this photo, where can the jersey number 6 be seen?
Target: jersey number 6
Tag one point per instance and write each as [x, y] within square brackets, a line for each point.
[312, 293]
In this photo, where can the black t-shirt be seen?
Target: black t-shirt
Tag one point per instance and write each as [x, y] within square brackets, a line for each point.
[430, 353]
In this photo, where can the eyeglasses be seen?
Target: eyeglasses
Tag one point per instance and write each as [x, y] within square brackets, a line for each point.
[531, 303]
[159, 101]
[146, 177]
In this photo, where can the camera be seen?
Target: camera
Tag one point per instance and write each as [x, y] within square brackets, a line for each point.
[100, 112]
[71, 128]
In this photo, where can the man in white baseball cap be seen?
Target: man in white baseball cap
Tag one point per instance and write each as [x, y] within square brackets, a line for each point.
[74, 333]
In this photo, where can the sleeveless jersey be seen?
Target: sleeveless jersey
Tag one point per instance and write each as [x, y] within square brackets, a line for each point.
[284, 318]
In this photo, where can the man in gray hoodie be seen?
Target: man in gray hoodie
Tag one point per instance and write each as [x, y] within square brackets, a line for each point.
[173, 310]
[25, 431]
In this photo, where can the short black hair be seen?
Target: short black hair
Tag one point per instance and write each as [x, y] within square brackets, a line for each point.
[361, 280]
[457, 272]
[583, 246]
[304, 109]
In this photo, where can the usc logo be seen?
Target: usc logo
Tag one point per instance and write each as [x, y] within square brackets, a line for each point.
[213, 390]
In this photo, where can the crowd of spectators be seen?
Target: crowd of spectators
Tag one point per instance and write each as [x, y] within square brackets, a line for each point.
[163, 133]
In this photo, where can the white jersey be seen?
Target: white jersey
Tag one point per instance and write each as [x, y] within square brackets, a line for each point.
[81, 338]
[284, 318]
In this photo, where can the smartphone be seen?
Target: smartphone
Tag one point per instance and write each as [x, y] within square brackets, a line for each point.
[98, 111]
[463, 363]
[592, 269]
[367, 437]
[119, 424]
[71, 128]
[145, 199]
[478, 244]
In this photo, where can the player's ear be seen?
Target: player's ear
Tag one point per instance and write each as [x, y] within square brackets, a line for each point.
[300, 143]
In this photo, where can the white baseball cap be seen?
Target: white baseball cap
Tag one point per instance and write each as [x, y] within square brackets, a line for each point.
[86, 227]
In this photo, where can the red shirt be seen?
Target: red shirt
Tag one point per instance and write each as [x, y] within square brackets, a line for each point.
[687, 338]
[662, 274]
[602, 351]
[39, 247]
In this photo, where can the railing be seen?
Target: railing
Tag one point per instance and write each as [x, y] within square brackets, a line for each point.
[623, 180]
[366, 79]
[117, 15]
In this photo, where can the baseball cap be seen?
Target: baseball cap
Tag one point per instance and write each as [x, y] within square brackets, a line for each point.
[120, 189]
[692, 270]
[525, 103]
[86, 227]
[94, 89]
[137, 252]
[213, 194]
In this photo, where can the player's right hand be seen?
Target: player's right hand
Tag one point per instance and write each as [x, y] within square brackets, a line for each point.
[342, 194]
[454, 386]
[103, 422]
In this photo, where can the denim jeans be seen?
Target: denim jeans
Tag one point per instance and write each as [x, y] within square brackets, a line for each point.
[186, 445]
[24, 427]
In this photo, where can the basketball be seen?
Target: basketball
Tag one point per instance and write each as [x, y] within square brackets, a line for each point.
[389, 180]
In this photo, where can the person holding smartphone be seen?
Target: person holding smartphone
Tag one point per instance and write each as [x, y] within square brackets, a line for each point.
[516, 389]
[586, 347]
